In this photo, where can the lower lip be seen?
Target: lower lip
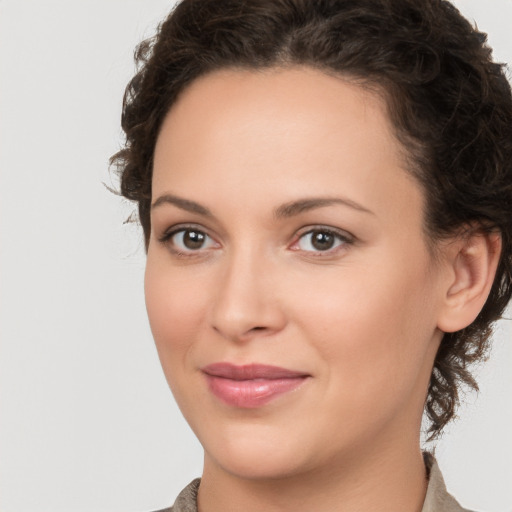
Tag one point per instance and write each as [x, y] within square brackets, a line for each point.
[249, 394]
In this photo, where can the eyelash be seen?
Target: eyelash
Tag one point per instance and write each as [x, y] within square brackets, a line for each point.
[167, 237]
[341, 238]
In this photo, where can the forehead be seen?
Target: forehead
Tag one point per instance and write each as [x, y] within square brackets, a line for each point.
[299, 101]
[278, 132]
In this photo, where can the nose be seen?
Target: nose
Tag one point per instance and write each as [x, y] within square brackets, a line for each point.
[246, 301]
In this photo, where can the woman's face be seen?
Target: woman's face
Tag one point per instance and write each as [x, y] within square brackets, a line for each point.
[289, 287]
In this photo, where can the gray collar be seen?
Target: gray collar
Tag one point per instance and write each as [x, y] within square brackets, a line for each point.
[437, 498]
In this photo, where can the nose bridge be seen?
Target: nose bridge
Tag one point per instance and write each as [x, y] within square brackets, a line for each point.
[245, 299]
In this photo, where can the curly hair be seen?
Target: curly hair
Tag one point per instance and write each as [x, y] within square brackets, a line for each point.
[450, 105]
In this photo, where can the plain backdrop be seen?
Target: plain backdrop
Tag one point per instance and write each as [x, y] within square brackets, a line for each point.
[87, 422]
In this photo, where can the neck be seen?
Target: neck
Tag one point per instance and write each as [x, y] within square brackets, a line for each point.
[388, 480]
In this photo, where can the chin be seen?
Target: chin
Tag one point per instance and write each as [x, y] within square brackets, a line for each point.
[256, 454]
[270, 464]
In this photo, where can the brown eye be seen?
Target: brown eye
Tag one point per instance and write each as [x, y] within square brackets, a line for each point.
[189, 240]
[193, 239]
[321, 240]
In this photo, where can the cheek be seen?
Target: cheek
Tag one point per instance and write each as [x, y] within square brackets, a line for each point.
[175, 308]
[372, 325]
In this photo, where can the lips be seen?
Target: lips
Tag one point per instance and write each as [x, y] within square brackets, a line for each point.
[250, 386]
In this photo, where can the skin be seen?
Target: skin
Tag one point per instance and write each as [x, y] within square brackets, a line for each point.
[363, 319]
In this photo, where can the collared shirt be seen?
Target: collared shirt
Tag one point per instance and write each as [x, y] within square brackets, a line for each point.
[437, 498]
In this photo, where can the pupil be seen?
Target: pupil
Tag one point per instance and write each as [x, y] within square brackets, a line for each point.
[322, 240]
[193, 239]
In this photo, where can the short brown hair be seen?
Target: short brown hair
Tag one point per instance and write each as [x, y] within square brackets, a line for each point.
[450, 104]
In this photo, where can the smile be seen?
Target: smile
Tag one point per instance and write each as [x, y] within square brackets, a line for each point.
[250, 386]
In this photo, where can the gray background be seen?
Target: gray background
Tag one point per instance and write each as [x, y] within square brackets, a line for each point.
[86, 420]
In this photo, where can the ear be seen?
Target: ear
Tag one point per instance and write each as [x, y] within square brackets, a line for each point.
[472, 261]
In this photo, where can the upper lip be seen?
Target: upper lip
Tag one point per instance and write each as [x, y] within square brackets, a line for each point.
[250, 371]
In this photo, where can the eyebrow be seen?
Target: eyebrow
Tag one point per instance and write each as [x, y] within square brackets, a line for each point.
[184, 204]
[284, 211]
[302, 205]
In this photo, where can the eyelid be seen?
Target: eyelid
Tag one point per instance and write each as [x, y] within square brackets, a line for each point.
[173, 230]
[342, 235]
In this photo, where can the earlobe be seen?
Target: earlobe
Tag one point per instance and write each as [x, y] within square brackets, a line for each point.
[473, 260]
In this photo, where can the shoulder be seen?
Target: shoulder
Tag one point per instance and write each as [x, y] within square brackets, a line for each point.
[438, 499]
[186, 500]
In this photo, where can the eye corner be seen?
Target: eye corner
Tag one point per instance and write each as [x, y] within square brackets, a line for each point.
[198, 243]
[334, 241]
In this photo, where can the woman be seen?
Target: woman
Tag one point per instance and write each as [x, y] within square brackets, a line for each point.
[325, 189]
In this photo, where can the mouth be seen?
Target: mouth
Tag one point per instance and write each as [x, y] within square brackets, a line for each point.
[251, 386]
